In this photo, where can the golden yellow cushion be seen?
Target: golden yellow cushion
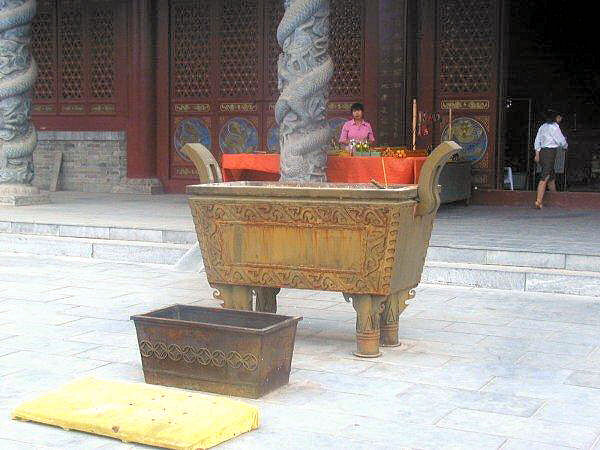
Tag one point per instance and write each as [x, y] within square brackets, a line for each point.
[143, 413]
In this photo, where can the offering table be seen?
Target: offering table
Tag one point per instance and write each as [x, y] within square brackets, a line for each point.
[340, 169]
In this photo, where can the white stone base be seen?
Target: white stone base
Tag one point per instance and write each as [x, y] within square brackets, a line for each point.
[22, 195]
[24, 200]
[139, 186]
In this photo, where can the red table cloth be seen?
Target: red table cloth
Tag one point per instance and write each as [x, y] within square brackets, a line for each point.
[340, 169]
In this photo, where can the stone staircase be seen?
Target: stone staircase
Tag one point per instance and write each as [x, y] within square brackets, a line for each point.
[496, 268]
[514, 269]
[107, 243]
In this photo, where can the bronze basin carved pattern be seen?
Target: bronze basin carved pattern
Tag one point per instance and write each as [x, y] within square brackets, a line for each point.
[202, 355]
[378, 227]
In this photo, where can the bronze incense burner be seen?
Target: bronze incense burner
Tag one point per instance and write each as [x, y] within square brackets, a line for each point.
[366, 242]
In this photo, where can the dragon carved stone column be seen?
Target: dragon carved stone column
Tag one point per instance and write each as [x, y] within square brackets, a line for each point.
[18, 73]
[304, 69]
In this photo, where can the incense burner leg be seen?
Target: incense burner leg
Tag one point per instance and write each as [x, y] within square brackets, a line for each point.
[234, 297]
[392, 308]
[266, 299]
[368, 311]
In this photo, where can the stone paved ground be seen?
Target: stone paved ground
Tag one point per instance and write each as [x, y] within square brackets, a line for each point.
[479, 368]
[553, 230]
[164, 212]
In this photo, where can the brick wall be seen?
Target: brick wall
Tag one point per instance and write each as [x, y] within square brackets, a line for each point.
[92, 161]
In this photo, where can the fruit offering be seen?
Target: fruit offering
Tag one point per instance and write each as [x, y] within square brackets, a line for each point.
[357, 146]
[399, 152]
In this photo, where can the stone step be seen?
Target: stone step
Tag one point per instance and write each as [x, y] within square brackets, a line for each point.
[105, 249]
[436, 253]
[100, 232]
[529, 279]
[488, 268]
[514, 258]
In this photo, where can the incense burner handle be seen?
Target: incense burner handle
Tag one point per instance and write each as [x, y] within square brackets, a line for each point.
[206, 165]
[429, 195]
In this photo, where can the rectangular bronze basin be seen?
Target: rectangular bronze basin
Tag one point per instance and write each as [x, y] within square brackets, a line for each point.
[322, 236]
[239, 353]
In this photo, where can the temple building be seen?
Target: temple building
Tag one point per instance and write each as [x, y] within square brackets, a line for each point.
[124, 84]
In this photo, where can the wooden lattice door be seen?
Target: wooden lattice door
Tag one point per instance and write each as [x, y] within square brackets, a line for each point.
[216, 69]
[191, 27]
[222, 76]
[468, 56]
[80, 49]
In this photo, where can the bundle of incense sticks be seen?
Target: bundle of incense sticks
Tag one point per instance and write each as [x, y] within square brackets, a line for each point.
[414, 124]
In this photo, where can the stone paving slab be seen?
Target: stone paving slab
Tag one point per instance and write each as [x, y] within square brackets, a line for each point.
[112, 250]
[544, 431]
[497, 256]
[478, 368]
[519, 444]
[162, 212]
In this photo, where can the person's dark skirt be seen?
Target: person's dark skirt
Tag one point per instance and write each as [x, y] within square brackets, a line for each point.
[547, 160]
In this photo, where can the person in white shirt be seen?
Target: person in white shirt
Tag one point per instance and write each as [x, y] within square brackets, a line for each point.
[549, 138]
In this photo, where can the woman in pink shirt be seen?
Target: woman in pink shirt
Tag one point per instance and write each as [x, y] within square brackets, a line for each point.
[357, 128]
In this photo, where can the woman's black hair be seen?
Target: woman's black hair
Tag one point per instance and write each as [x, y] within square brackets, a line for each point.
[357, 107]
[550, 115]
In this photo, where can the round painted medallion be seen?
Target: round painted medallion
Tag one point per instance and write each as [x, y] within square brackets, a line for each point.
[470, 135]
[238, 135]
[273, 139]
[189, 131]
[336, 124]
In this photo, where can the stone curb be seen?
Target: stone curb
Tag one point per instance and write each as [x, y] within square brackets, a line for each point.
[527, 279]
[99, 232]
[113, 250]
[513, 257]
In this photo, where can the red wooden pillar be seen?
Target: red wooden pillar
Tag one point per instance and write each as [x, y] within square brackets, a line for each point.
[370, 81]
[162, 93]
[141, 129]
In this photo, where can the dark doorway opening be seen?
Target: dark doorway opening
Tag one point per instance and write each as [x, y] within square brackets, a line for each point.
[553, 63]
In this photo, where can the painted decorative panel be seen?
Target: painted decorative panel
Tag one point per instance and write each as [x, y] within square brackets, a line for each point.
[238, 135]
[273, 139]
[470, 135]
[336, 124]
[188, 131]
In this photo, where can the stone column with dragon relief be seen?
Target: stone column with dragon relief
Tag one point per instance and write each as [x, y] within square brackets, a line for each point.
[304, 70]
[18, 73]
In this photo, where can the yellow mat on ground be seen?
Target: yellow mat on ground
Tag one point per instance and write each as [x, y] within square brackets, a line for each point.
[143, 413]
